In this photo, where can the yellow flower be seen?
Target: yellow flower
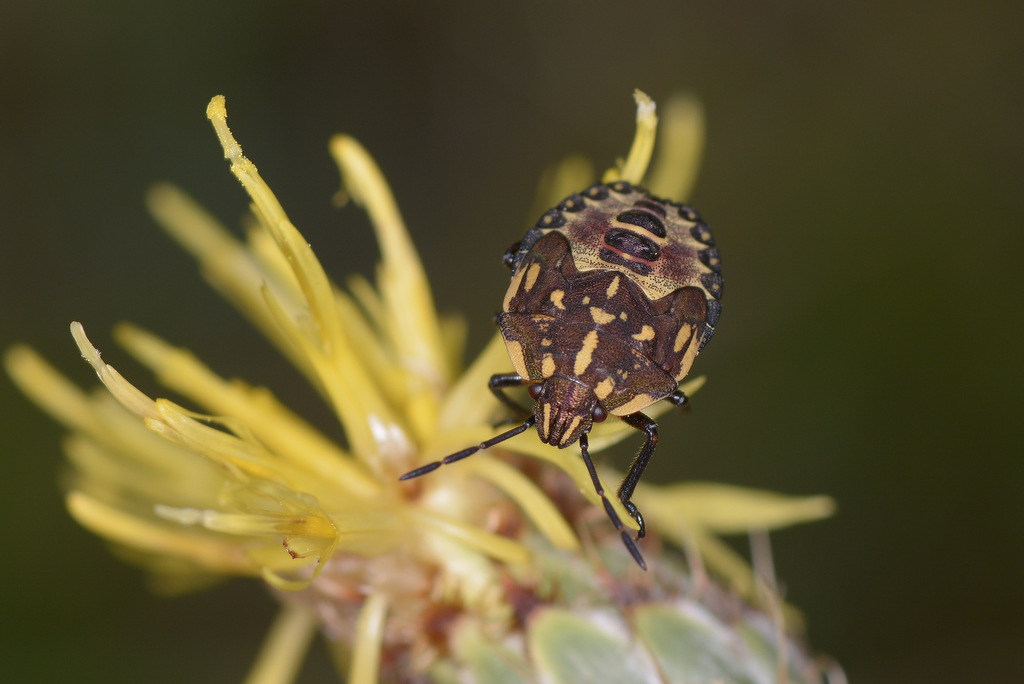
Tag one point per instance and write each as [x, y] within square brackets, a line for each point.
[481, 572]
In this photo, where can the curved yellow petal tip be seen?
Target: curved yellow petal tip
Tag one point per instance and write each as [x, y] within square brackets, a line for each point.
[635, 166]
[217, 113]
[216, 108]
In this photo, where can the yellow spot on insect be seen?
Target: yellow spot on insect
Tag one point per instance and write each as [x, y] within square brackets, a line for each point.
[637, 403]
[646, 333]
[586, 354]
[604, 388]
[556, 299]
[547, 421]
[623, 315]
[515, 353]
[513, 289]
[546, 342]
[547, 366]
[586, 300]
[531, 276]
[568, 433]
[685, 333]
[601, 316]
[686, 362]
[613, 287]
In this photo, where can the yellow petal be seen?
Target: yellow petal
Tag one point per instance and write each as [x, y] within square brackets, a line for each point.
[560, 180]
[282, 431]
[534, 502]
[410, 317]
[370, 425]
[285, 646]
[126, 393]
[571, 461]
[369, 638]
[680, 147]
[216, 553]
[470, 402]
[635, 166]
[472, 537]
[725, 509]
[113, 449]
[238, 273]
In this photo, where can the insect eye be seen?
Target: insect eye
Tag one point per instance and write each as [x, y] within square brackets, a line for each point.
[599, 414]
[535, 389]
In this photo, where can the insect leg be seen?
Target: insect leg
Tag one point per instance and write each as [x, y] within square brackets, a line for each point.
[509, 258]
[498, 383]
[679, 398]
[466, 453]
[636, 469]
[627, 539]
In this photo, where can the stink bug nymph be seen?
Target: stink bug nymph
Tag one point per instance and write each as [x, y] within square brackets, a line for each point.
[614, 293]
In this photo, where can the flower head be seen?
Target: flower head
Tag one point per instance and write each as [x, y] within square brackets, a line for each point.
[497, 569]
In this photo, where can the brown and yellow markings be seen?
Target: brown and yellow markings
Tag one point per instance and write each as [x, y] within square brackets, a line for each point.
[513, 289]
[531, 276]
[547, 366]
[685, 333]
[585, 354]
[568, 433]
[646, 333]
[613, 287]
[637, 403]
[687, 361]
[515, 353]
[604, 388]
[601, 316]
[556, 299]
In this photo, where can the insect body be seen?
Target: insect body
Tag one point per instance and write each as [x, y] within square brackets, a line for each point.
[613, 294]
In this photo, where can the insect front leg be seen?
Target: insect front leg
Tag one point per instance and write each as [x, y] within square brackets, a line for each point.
[627, 539]
[636, 469]
[499, 383]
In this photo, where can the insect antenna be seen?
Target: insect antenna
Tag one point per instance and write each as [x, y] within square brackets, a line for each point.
[466, 453]
[627, 538]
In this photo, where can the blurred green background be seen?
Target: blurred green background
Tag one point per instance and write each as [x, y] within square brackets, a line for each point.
[863, 174]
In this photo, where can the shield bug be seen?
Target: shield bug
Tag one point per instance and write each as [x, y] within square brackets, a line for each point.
[614, 292]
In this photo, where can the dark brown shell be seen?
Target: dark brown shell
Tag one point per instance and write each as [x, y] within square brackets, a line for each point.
[615, 290]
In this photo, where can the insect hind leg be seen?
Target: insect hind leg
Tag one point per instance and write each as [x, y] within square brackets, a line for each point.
[627, 538]
[640, 422]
